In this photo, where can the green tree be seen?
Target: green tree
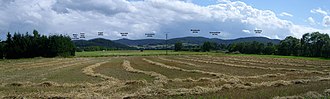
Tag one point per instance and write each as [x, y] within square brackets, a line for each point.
[318, 40]
[2, 49]
[178, 46]
[289, 46]
[269, 49]
[325, 51]
[28, 46]
[206, 47]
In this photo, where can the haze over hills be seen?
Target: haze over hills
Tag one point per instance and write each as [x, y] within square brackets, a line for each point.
[193, 40]
[127, 43]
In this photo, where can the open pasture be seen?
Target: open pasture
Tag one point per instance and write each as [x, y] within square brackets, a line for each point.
[174, 76]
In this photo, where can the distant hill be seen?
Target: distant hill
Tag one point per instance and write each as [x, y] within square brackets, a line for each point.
[100, 42]
[194, 40]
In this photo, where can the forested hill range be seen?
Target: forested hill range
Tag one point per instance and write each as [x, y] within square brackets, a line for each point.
[99, 44]
[194, 40]
[126, 43]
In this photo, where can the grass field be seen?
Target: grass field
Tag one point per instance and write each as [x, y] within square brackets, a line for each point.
[152, 74]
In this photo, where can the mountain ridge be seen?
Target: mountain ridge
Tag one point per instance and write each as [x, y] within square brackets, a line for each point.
[194, 40]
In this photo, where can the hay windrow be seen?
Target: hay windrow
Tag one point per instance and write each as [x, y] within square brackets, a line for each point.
[90, 72]
[181, 62]
[327, 92]
[42, 73]
[263, 76]
[222, 77]
[279, 83]
[162, 86]
[160, 79]
[308, 95]
[252, 67]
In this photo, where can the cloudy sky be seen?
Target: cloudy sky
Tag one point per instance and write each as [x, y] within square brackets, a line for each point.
[233, 18]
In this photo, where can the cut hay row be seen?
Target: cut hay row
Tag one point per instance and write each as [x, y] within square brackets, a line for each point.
[66, 61]
[201, 90]
[191, 64]
[90, 72]
[55, 60]
[66, 66]
[160, 79]
[28, 61]
[257, 76]
[155, 89]
[181, 62]
[80, 90]
[289, 82]
[263, 76]
[163, 78]
[308, 95]
[279, 61]
[222, 77]
[42, 73]
[28, 64]
[55, 95]
[39, 72]
[54, 63]
[260, 63]
[252, 67]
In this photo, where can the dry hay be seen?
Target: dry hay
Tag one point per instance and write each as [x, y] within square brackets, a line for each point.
[156, 87]
[181, 62]
[90, 72]
[54, 95]
[42, 73]
[136, 82]
[60, 62]
[263, 76]
[67, 65]
[43, 63]
[327, 92]
[251, 67]
[111, 86]
[160, 79]
[222, 77]
[279, 83]
[48, 84]
[308, 95]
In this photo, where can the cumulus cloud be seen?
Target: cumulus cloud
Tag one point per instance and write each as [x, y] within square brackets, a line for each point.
[108, 7]
[319, 11]
[326, 21]
[138, 17]
[286, 14]
[311, 21]
[246, 31]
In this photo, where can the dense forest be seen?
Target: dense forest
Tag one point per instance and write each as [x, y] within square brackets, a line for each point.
[310, 45]
[36, 45]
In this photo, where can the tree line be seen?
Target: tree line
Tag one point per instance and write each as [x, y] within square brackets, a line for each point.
[314, 44]
[36, 45]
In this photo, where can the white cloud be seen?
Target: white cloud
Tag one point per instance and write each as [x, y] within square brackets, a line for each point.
[246, 31]
[143, 16]
[311, 21]
[319, 11]
[286, 14]
[326, 21]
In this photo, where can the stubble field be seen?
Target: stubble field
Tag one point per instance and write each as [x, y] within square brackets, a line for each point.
[174, 76]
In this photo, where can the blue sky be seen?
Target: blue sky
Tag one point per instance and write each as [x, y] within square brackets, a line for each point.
[233, 18]
[300, 9]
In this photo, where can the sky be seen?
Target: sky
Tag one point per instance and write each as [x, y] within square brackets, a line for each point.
[233, 18]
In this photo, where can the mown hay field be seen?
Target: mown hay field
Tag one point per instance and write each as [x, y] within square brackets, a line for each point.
[174, 76]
